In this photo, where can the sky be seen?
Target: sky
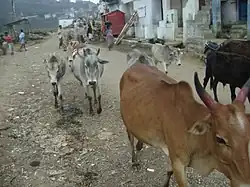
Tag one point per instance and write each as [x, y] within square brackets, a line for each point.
[94, 1]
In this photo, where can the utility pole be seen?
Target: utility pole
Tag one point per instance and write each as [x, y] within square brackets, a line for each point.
[13, 6]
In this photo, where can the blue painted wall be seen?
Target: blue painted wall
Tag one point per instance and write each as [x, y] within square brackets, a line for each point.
[216, 15]
[248, 19]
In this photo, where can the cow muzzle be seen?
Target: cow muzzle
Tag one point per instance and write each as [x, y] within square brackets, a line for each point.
[178, 63]
[92, 83]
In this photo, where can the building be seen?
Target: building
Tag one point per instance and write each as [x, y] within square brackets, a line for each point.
[185, 19]
[157, 18]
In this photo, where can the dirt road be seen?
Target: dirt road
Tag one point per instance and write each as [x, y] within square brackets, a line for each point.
[41, 148]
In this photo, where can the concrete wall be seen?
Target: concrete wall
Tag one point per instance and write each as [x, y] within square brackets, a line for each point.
[128, 9]
[190, 8]
[156, 11]
[228, 11]
[147, 25]
[176, 4]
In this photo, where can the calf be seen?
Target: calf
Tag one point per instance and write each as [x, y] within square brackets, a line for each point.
[56, 68]
[137, 56]
[166, 55]
[163, 113]
[88, 69]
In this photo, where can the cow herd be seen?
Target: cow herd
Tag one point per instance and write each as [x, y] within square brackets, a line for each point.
[161, 112]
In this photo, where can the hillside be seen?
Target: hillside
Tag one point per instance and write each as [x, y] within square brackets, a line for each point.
[39, 7]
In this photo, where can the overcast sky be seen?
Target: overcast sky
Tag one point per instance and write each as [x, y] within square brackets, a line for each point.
[95, 1]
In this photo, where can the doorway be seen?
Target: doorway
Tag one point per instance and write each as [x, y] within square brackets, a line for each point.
[242, 10]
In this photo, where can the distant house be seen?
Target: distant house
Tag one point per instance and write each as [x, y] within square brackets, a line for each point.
[47, 16]
[65, 22]
[157, 18]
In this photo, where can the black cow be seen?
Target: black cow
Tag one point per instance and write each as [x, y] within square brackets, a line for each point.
[225, 67]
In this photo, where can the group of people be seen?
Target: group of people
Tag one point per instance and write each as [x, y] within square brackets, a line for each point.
[6, 42]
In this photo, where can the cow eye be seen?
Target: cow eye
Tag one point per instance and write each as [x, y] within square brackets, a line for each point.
[220, 140]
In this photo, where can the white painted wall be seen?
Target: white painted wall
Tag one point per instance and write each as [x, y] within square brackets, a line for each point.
[228, 11]
[176, 4]
[190, 8]
[65, 22]
[127, 8]
[147, 25]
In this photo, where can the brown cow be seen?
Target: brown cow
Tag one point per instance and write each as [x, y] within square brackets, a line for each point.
[163, 113]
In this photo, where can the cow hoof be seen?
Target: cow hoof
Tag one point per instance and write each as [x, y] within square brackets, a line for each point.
[139, 146]
[99, 111]
[136, 165]
[91, 112]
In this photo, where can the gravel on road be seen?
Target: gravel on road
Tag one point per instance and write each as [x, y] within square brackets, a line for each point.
[39, 147]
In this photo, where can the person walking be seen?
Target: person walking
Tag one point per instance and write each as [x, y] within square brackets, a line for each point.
[22, 40]
[90, 30]
[59, 33]
[9, 40]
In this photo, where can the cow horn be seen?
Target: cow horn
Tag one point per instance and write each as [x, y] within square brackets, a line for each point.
[242, 95]
[205, 97]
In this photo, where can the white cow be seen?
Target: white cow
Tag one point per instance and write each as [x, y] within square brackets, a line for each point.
[88, 68]
[56, 68]
[166, 55]
[137, 56]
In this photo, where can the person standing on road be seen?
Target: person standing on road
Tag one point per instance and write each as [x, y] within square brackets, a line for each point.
[22, 40]
[8, 39]
[3, 45]
[59, 33]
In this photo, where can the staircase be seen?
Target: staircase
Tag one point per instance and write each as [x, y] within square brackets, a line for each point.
[179, 35]
[203, 20]
[238, 31]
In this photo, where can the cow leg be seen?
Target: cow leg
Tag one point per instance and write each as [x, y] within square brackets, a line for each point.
[139, 145]
[169, 172]
[179, 173]
[99, 108]
[165, 65]
[169, 167]
[60, 96]
[215, 83]
[131, 138]
[55, 96]
[94, 91]
[90, 101]
[248, 97]
[233, 95]
[205, 81]
[155, 61]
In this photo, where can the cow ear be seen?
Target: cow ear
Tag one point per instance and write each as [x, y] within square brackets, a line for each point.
[103, 61]
[199, 128]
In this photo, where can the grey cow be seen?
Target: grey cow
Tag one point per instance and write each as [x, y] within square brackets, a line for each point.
[88, 68]
[166, 55]
[56, 68]
[137, 56]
